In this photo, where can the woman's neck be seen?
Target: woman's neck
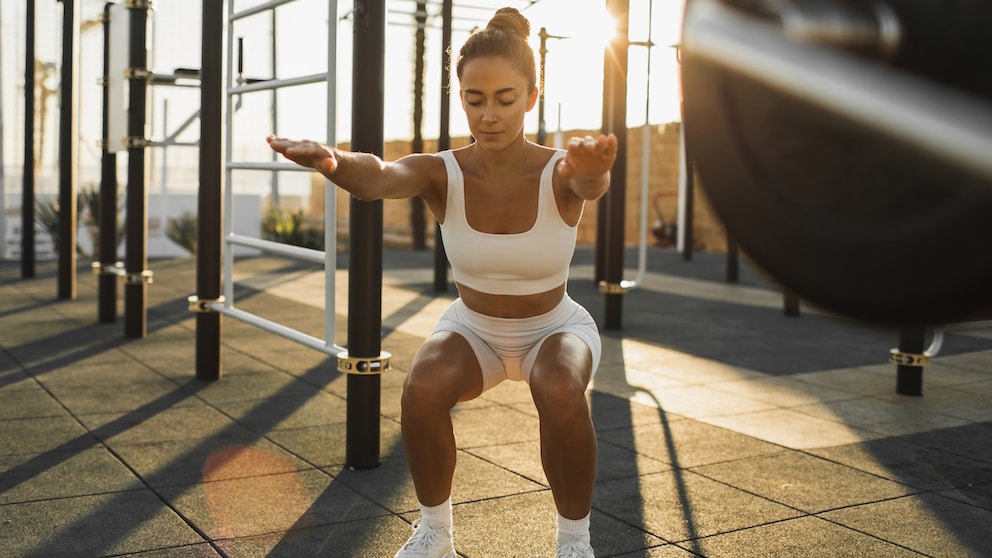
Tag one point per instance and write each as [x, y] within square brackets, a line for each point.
[505, 161]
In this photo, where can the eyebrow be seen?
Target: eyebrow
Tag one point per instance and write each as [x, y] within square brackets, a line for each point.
[498, 91]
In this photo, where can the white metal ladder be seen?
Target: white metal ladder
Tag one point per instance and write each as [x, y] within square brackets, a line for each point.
[327, 257]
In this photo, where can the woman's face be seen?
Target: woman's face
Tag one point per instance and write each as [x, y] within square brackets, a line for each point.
[495, 98]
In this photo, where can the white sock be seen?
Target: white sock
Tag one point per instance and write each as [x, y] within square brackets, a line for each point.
[440, 513]
[574, 527]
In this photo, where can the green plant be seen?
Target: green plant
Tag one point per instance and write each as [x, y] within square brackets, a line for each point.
[88, 204]
[49, 217]
[183, 230]
[289, 228]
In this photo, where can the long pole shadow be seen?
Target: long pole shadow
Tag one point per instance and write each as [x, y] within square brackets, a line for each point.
[254, 426]
[622, 388]
[357, 543]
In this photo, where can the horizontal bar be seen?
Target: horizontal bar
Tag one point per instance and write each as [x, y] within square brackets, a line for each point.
[278, 329]
[269, 84]
[271, 4]
[273, 166]
[298, 252]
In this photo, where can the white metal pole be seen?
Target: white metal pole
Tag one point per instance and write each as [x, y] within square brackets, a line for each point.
[3, 188]
[228, 212]
[163, 202]
[330, 190]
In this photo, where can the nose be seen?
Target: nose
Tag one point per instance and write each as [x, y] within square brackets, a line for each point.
[489, 115]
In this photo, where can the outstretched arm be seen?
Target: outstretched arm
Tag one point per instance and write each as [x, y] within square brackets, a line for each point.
[587, 165]
[364, 175]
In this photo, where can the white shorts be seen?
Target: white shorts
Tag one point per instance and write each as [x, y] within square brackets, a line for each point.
[507, 347]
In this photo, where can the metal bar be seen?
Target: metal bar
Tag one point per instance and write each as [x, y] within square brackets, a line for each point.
[274, 114]
[688, 203]
[909, 379]
[733, 266]
[171, 138]
[208, 250]
[298, 252]
[136, 258]
[106, 282]
[615, 109]
[277, 328]
[68, 133]
[271, 4]
[247, 165]
[330, 190]
[228, 205]
[278, 84]
[27, 198]
[365, 251]
[444, 140]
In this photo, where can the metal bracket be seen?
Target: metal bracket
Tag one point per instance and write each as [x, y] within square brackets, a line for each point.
[900, 358]
[100, 268]
[363, 366]
[615, 288]
[140, 278]
[205, 305]
[135, 142]
[144, 74]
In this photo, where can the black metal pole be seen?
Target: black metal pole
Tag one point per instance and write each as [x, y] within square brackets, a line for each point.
[209, 196]
[444, 139]
[67, 154]
[27, 198]
[732, 259]
[690, 180]
[106, 281]
[365, 238]
[136, 260]
[615, 121]
[909, 379]
[790, 303]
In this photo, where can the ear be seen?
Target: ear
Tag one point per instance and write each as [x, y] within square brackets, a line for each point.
[532, 100]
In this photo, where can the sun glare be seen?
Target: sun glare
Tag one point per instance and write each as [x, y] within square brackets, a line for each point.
[595, 25]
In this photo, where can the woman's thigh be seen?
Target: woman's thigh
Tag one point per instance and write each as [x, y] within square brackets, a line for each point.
[446, 364]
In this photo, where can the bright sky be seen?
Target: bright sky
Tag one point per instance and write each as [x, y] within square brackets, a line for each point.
[574, 71]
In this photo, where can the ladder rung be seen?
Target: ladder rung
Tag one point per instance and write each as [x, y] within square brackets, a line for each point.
[271, 4]
[246, 165]
[270, 84]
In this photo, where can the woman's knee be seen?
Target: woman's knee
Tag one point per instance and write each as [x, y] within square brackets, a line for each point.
[561, 372]
[558, 390]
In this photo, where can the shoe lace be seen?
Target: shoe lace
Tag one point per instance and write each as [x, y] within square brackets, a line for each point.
[576, 549]
[423, 538]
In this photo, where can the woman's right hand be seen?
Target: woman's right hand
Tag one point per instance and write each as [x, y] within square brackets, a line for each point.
[306, 153]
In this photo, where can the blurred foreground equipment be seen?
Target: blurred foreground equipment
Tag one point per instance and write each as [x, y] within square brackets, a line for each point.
[847, 145]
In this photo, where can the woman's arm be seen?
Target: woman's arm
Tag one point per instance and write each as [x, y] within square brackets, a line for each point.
[587, 165]
[363, 175]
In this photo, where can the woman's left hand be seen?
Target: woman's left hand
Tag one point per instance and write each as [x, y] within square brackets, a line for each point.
[589, 157]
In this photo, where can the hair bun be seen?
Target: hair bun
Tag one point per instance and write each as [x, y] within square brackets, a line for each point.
[512, 20]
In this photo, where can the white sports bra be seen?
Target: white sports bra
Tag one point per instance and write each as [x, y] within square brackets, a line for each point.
[530, 262]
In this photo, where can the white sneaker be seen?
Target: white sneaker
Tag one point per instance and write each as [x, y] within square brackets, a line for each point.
[570, 546]
[429, 540]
